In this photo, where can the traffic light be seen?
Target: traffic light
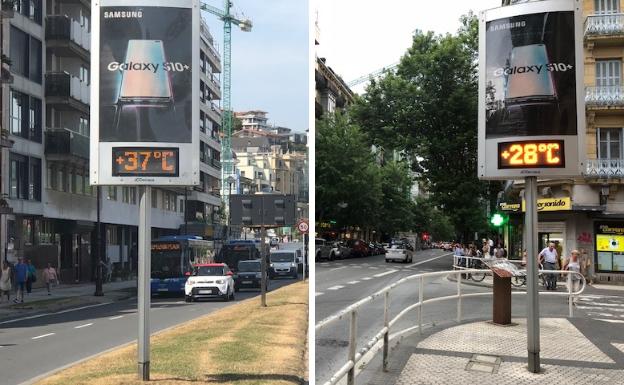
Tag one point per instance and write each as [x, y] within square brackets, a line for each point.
[498, 219]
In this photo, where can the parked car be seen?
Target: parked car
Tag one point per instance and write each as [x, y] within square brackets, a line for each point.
[331, 250]
[400, 251]
[249, 275]
[358, 248]
[283, 263]
[210, 280]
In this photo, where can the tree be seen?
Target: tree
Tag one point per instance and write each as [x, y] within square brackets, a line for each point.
[348, 182]
[429, 110]
[396, 209]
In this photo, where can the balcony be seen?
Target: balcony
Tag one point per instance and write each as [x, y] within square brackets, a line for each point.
[65, 91]
[604, 97]
[214, 112]
[213, 84]
[66, 37]
[599, 27]
[215, 163]
[62, 144]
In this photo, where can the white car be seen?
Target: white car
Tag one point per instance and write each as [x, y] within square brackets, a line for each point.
[210, 280]
[402, 252]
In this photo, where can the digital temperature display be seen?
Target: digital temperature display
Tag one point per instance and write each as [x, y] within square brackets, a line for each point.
[531, 154]
[145, 161]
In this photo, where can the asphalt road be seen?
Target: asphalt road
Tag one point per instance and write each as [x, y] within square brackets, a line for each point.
[341, 283]
[31, 347]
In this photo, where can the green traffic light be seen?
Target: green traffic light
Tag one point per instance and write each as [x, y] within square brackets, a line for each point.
[497, 220]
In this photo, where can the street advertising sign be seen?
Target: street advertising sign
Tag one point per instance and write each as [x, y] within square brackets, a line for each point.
[531, 99]
[145, 92]
[262, 210]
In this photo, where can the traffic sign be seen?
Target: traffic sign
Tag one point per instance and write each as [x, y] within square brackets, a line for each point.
[303, 226]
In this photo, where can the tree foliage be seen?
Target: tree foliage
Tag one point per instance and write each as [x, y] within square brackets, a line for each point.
[429, 110]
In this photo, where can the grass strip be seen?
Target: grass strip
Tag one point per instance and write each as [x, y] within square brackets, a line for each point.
[243, 344]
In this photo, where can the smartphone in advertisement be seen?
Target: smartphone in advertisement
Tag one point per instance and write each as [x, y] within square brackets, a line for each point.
[145, 79]
[529, 79]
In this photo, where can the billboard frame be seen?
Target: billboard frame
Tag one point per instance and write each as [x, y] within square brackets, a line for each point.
[575, 150]
[101, 166]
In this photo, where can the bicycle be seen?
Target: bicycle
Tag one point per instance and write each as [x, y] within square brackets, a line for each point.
[475, 264]
[520, 280]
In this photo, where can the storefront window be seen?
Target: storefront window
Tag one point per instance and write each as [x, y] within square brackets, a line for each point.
[610, 246]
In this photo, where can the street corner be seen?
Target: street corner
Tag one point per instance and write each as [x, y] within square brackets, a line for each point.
[481, 352]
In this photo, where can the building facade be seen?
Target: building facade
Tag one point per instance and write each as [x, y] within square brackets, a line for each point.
[45, 174]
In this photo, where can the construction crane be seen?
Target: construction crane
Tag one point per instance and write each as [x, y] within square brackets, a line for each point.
[227, 161]
[372, 75]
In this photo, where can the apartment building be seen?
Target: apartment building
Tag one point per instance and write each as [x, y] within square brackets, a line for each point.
[588, 213]
[45, 173]
[255, 120]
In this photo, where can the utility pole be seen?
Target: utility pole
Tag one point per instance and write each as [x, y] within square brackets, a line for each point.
[98, 245]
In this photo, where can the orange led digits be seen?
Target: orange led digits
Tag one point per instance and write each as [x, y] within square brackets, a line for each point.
[531, 154]
[142, 161]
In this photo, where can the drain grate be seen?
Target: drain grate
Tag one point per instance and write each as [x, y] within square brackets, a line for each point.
[484, 363]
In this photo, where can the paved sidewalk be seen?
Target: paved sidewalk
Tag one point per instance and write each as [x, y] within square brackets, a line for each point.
[64, 296]
[483, 353]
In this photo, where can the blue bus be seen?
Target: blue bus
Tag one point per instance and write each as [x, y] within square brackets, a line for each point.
[235, 250]
[173, 257]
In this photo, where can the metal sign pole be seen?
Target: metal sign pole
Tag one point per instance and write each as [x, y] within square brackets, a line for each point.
[144, 294]
[263, 264]
[530, 224]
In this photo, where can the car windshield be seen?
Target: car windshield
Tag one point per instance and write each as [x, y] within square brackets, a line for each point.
[249, 266]
[209, 270]
[282, 257]
[320, 242]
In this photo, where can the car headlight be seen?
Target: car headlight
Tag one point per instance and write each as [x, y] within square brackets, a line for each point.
[190, 281]
[258, 275]
[271, 265]
[293, 265]
[219, 281]
[337, 252]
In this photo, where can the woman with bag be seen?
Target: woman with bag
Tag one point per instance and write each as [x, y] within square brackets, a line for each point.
[50, 277]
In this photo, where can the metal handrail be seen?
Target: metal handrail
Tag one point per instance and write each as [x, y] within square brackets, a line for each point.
[355, 355]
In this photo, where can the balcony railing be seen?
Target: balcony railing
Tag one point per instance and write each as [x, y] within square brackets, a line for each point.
[600, 25]
[215, 163]
[60, 27]
[604, 168]
[62, 141]
[64, 85]
[604, 96]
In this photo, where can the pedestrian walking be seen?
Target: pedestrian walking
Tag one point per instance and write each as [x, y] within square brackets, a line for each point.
[573, 264]
[5, 282]
[21, 276]
[50, 277]
[32, 276]
[551, 262]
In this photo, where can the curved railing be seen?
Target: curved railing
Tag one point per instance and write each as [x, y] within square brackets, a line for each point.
[383, 336]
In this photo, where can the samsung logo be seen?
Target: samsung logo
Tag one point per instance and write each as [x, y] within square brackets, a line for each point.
[504, 26]
[123, 15]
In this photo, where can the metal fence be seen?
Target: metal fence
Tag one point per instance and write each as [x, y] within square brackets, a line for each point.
[383, 336]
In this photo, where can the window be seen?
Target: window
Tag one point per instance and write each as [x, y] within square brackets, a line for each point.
[24, 177]
[30, 9]
[609, 143]
[84, 75]
[44, 231]
[26, 59]
[201, 92]
[61, 179]
[111, 235]
[202, 126]
[84, 126]
[25, 116]
[128, 195]
[112, 193]
[80, 179]
[27, 230]
[605, 7]
[133, 195]
[608, 73]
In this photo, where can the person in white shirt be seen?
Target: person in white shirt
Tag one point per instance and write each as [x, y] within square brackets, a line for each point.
[572, 264]
[550, 260]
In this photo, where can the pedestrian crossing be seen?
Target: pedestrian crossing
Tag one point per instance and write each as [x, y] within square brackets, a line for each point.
[607, 308]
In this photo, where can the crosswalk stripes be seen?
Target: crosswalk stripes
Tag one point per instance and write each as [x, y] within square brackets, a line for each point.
[602, 307]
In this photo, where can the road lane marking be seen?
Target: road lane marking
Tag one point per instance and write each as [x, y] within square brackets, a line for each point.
[42, 336]
[114, 318]
[353, 282]
[83, 326]
[337, 287]
[338, 268]
[367, 278]
[430, 259]
[610, 320]
[374, 268]
[385, 273]
[58, 312]
[317, 294]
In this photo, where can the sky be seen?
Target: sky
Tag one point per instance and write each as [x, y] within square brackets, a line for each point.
[270, 63]
[358, 37]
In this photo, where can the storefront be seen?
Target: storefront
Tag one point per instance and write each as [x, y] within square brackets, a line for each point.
[609, 246]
